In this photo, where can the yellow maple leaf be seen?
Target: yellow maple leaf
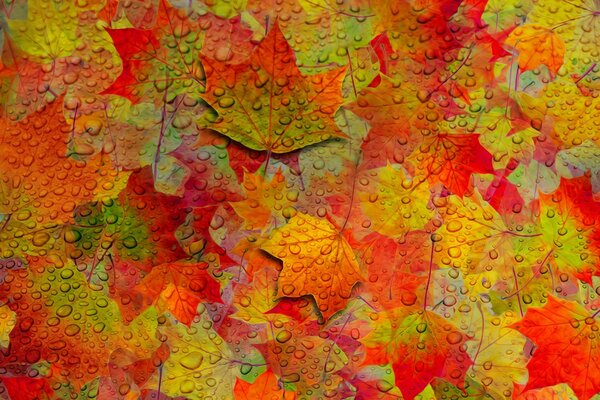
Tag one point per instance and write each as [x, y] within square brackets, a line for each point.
[395, 204]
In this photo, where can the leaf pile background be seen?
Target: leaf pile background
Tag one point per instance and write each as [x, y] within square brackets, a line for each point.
[299, 199]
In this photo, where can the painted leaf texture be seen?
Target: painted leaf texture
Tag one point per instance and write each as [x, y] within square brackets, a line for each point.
[299, 199]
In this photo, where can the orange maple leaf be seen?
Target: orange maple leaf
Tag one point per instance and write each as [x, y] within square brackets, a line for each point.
[317, 261]
[265, 200]
[536, 46]
[568, 347]
[42, 183]
[179, 287]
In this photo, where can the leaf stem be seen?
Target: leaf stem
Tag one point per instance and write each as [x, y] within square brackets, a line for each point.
[482, 332]
[6, 221]
[517, 287]
[160, 375]
[586, 73]
[428, 277]
[269, 153]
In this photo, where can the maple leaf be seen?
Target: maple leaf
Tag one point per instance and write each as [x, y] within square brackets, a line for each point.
[576, 24]
[265, 387]
[127, 370]
[536, 46]
[374, 382]
[42, 183]
[252, 258]
[254, 300]
[394, 268]
[211, 180]
[561, 391]
[397, 116]
[201, 363]
[441, 27]
[496, 351]
[243, 159]
[503, 137]
[265, 201]
[421, 346]
[195, 233]
[120, 240]
[576, 161]
[472, 390]
[162, 62]
[45, 56]
[267, 104]
[324, 356]
[136, 13]
[24, 388]
[502, 16]
[452, 159]
[566, 339]
[317, 261]
[395, 205]
[178, 288]
[135, 135]
[568, 220]
[58, 299]
[49, 31]
[475, 238]
[570, 114]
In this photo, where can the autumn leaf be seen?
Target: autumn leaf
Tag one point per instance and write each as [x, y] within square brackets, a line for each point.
[569, 228]
[496, 350]
[472, 390]
[265, 201]
[576, 161]
[398, 113]
[317, 261]
[267, 104]
[161, 63]
[505, 139]
[136, 14]
[452, 159]
[24, 388]
[570, 114]
[44, 56]
[566, 346]
[118, 241]
[373, 382]
[395, 203]
[178, 288]
[421, 346]
[90, 337]
[441, 27]
[536, 46]
[201, 363]
[265, 387]
[7, 323]
[576, 24]
[254, 300]
[129, 371]
[396, 268]
[54, 39]
[38, 172]
[252, 258]
[325, 357]
[299, 199]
